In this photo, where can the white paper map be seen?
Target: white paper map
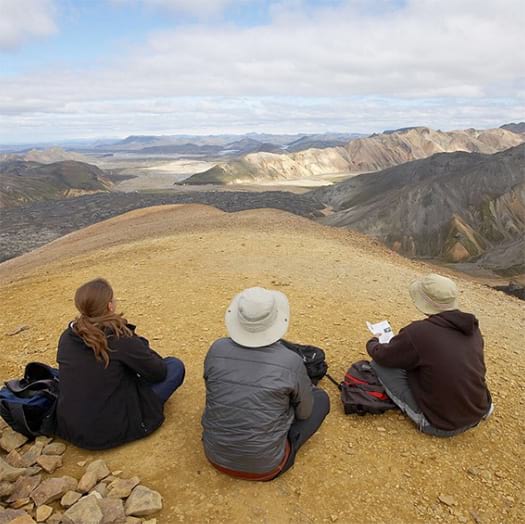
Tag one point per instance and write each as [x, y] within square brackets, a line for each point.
[383, 328]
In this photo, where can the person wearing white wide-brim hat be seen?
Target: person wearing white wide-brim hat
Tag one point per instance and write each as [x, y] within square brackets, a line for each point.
[434, 369]
[260, 403]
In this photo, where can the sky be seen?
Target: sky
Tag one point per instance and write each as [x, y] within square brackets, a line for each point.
[75, 69]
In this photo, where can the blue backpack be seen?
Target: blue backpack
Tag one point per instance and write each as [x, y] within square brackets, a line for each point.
[28, 404]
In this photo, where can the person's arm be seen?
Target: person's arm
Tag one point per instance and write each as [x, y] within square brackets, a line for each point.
[135, 353]
[302, 398]
[398, 353]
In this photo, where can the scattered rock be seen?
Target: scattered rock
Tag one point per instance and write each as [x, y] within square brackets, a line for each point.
[381, 429]
[113, 511]
[154, 521]
[23, 487]
[143, 502]
[100, 469]
[87, 482]
[11, 440]
[70, 498]
[447, 500]
[133, 520]
[6, 488]
[20, 503]
[41, 439]
[56, 448]
[82, 463]
[102, 489]
[55, 518]
[13, 458]
[121, 488]
[43, 513]
[473, 471]
[32, 454]
[52, 489]
[8, 515]
[86, 510]
[9, 473]
[50, 463]
[476, 517]
[23, 519]
[17, 330]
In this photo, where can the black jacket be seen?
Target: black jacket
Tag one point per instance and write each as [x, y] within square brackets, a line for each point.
[98, 407]
[443, 356]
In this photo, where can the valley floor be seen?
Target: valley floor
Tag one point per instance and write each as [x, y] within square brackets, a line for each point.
[175, 268]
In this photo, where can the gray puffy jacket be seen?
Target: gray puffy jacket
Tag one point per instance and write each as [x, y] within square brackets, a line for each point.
[252, 398]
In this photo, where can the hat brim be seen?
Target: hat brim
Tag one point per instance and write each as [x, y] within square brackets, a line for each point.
[424, 304]
[272, 334]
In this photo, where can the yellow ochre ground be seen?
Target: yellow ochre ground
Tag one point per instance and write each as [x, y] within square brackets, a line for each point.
[174, 270]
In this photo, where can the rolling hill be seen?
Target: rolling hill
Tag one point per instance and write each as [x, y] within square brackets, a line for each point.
[362, 155]
[23, 181]
[175, 268]
[453, 206]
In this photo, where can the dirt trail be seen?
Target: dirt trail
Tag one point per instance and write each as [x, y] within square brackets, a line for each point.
[174, 270]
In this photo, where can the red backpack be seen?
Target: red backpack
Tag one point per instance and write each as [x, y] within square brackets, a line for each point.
[361, 391]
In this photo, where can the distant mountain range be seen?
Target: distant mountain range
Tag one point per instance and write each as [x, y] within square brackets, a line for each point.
[22, 182]
[515, 128]
[361, 155]
[45, 156]
[454, 206]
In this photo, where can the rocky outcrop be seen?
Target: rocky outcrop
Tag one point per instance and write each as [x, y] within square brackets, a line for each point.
[456, 207]
[362, 155]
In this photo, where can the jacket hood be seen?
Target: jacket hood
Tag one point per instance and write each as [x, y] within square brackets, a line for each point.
[455, 319]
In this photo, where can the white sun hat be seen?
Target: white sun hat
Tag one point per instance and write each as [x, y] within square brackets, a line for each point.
[257, 317]
[434, 294]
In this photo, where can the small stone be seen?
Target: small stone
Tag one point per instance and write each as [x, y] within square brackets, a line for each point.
[87, 482]
[41, 439]
[476, 517]
[6, 488]
[55, 518]
[82, 463]
[13, 458]
[121, 488]
[117, 473]
[23, 487]
[20, 503]
[70, 498]
[113, 511]
[381, 429]
[23, 519]
[12, 440]
[50, 463]
[101, 488]
[463, 519]
[143, 502]
[100, 468]
[133, 520]
[9, 473]
[473, 471]
[17, 330]
[56, 448]
[8, 515]
[447, 500]
[52, 489]
[31, 455]
[33, 470]
[43, 513]
[154, 521]
[86, 510]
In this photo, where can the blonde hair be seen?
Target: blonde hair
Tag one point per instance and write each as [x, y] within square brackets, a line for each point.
[95, 321]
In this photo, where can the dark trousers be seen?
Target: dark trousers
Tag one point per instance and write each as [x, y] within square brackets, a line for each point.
[174, 378]
[301, 430]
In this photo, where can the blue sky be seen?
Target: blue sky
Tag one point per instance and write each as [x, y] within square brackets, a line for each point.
[98, 68]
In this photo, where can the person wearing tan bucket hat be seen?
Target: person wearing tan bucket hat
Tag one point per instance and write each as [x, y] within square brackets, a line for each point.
[434, 369]
[261, 405]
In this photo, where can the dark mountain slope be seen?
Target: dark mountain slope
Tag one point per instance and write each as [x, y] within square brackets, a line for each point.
[454, 206]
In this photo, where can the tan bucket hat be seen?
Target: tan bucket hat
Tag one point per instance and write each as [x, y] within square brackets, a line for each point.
[433, 294]
[257, 317]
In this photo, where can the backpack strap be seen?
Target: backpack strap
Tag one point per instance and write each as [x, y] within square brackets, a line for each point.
[19, 420]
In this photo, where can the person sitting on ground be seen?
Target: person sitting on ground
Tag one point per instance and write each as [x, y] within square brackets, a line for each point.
[434, 369]
[113, 386]
[261, 406]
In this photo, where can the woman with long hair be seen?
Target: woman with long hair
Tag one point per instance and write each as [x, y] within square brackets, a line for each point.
[113, 386]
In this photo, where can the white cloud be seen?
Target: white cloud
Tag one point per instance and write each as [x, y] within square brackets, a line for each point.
[455, 60]
[21, 20]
